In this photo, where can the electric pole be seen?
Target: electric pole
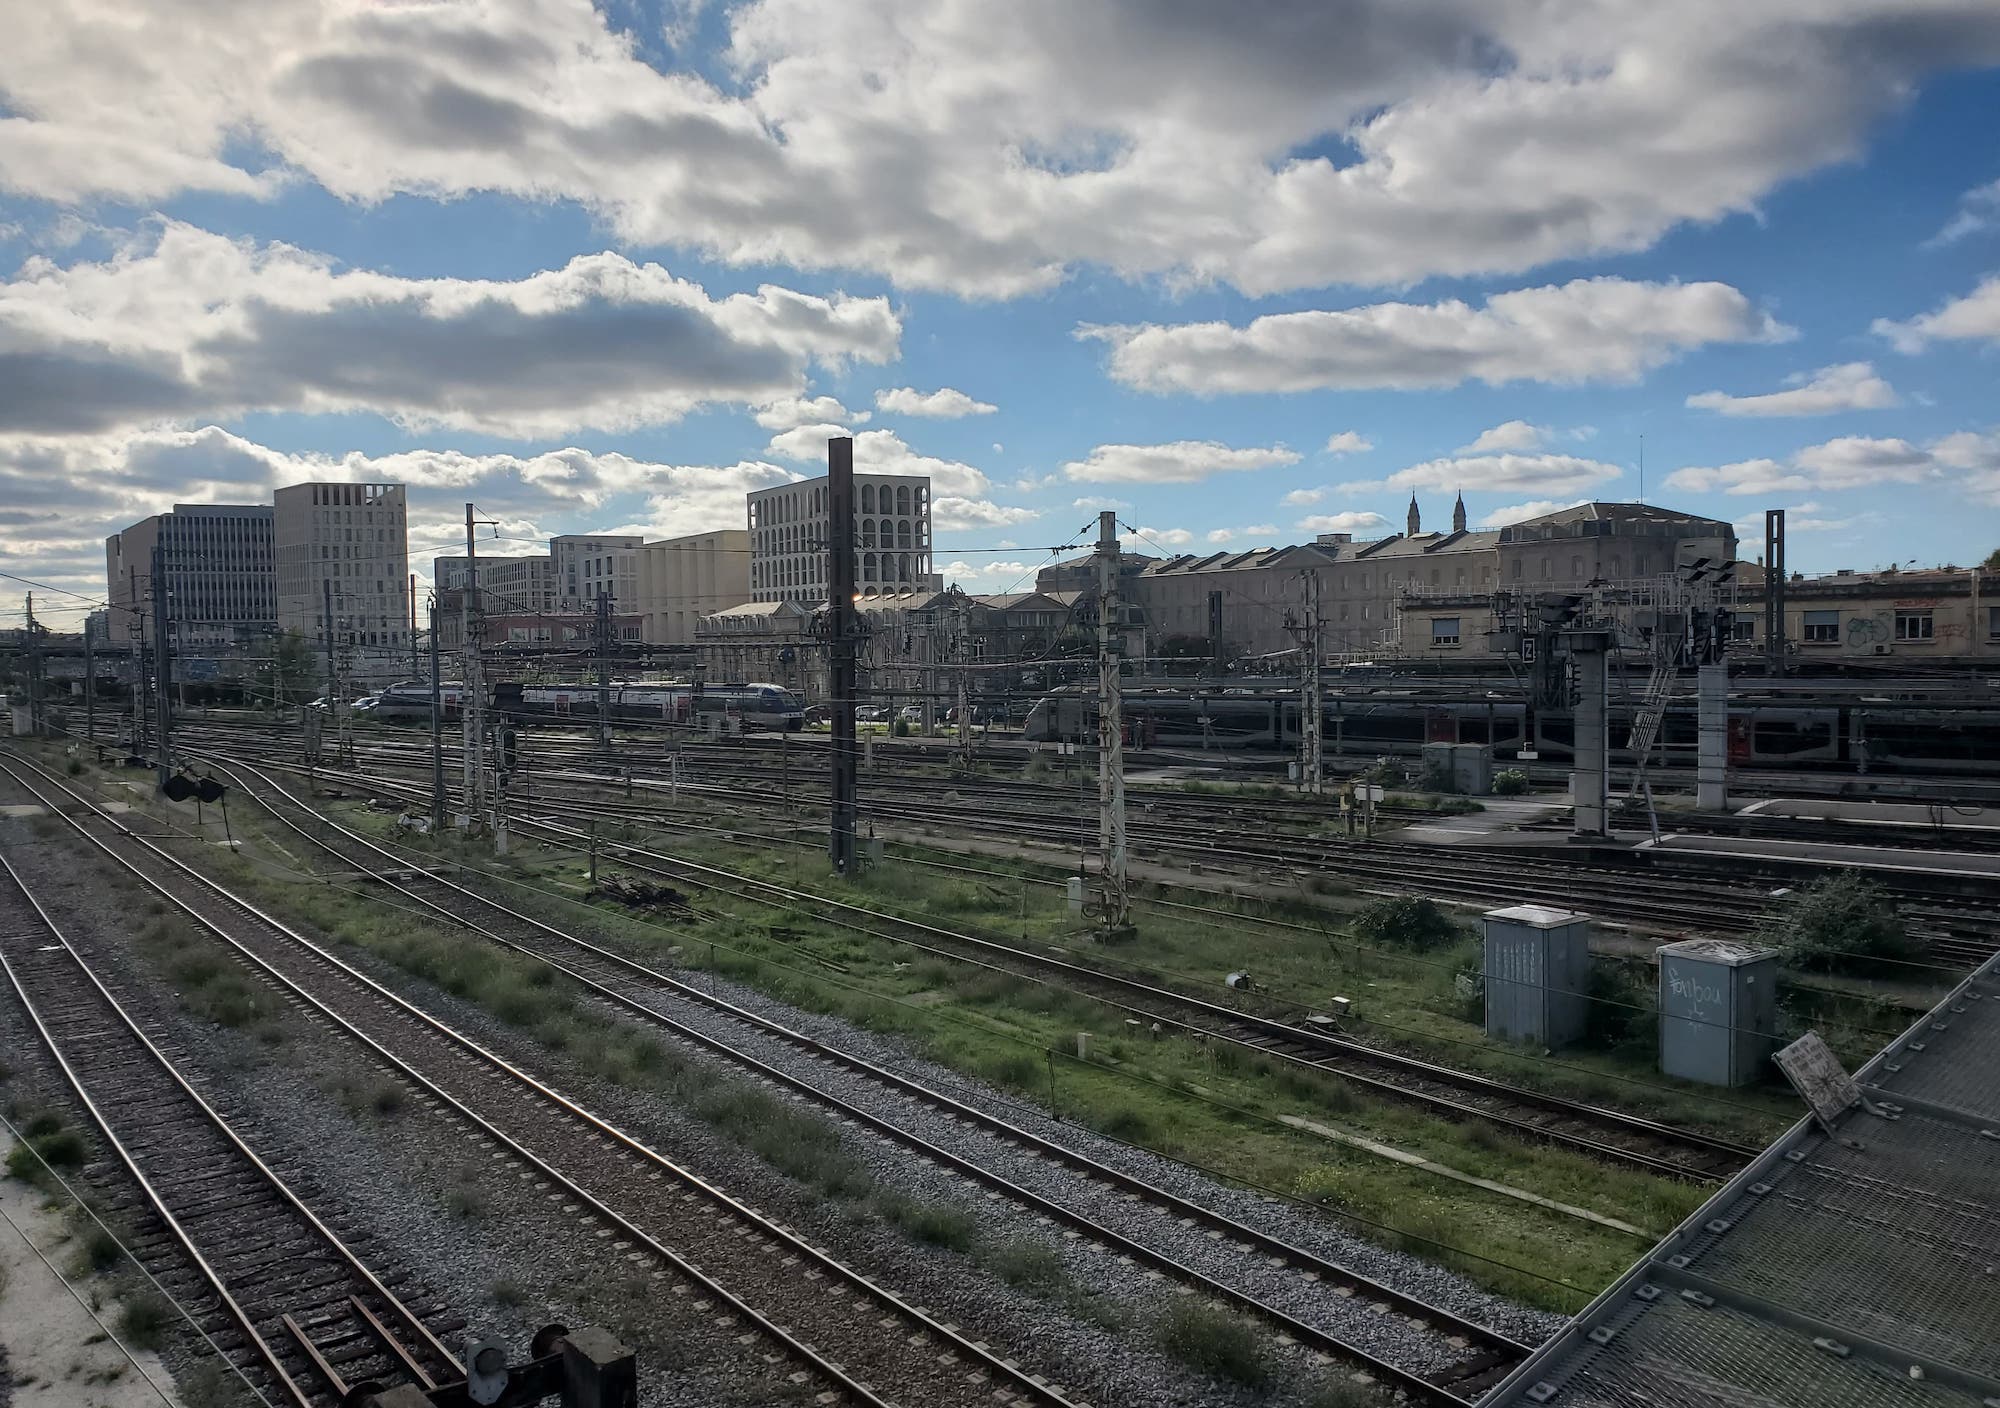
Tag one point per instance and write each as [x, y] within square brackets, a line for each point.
[604, 672]
[89, 683]
[437, 727]
[473, 699]
[331, 713]
[413, 627]
[135, 632]
[35, 728]
[962, 635]
[840, 647]
[1115, 904]
[1312, 707]
[162, 665]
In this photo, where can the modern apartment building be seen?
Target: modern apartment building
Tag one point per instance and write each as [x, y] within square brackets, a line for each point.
[347, 543]
[892, 538]
[682, 580]
[218, 564]
[586, 564]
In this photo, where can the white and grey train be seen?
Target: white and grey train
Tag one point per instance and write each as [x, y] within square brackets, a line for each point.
[1852, 736]
[768, 707]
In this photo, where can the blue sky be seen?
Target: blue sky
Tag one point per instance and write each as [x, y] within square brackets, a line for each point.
[1491, 250]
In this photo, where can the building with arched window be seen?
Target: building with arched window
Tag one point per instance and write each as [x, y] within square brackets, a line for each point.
[892, 539]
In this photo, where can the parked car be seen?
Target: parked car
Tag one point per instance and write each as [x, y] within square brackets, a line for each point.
[912, 714]
[366, 703]
[872, 714]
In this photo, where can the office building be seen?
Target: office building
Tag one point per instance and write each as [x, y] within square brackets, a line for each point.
[347, 544]
[218, 563]
[681, 580]
[892, 538]
[586, 564]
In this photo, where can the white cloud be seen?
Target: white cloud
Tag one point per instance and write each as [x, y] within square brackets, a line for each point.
[1805, 518]
[1497, 474]
[1301, 498]
[1095, 504]
[1851, 386]
[1847, 462]
[1261, 530]
[1602, 329]
[1508, 435]
[946, 403]
[1345, 522]
[1181, 462]
[987, 573]
[1219, 536]
[1154, 539]
[1508, 516]
[794, 411]
[186, 324]
[880, 452]
[1978, 212]
[64, 495]
[951, 513]
[1348, 442]
[1975, 317]
[990, 149]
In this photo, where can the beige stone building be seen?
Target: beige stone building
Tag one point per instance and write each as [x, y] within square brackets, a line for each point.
[681, 580]
[349, 542]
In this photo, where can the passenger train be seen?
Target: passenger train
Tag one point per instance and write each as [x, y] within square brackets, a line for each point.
[1857, 737]
[759, 706]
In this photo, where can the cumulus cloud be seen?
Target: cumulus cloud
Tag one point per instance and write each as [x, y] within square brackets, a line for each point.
[990, 149]
[1301, 498]
[1181, 462]
[1851, 386]
[1154, 539]
[794, 411]
[1497, 474]
[959, 491]
[1348, 442]
[1261, 530]
[1345, 522]
[1219, 536]
[64, 495]
[187, 324]
[946, 403]
[1588, 330]
[1511, 514]
[1508, 435]
[1095, 503]
[1847, 462]
[1973, 318]
[951, 513]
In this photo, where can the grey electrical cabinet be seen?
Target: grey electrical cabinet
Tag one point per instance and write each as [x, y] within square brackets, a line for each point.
[1718, 1010]
[1537, 973]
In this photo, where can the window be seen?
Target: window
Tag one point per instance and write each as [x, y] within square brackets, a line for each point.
[1821, 628]
[1444, 631]
[1914, 625]
[1743, 627]
[1993, 623]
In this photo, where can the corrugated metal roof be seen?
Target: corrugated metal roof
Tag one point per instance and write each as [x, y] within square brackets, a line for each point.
[1858, 1269]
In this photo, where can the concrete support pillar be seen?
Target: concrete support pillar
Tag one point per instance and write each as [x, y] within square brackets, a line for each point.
[1711, 778]
[1590, 774]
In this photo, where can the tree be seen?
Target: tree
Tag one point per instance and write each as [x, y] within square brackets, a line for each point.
[1406, 922]
[292, 667]
[1992, 563]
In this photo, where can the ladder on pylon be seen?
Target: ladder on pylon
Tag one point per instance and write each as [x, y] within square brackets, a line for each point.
[1646, 729]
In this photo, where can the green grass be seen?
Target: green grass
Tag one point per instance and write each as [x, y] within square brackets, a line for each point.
[1214, 1342]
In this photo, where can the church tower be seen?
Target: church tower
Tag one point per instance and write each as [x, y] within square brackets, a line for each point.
[1458, 514]
[1416, 520]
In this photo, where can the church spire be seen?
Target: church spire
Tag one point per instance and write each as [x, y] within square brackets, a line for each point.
[1416, 519]
[1458, 514]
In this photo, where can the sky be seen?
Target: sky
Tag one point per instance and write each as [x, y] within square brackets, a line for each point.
[1243, 273]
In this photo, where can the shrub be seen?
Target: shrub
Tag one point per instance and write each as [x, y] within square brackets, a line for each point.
[1840, 921]
[1213, 1342]
[1436, 777]
[143, 1319]
[1621, 1007]
[1029, 1265]
[1509, 782]
[1407, 921]
[934, 1224]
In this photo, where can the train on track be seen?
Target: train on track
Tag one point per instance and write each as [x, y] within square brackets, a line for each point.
[1852, 736]
[765, 707]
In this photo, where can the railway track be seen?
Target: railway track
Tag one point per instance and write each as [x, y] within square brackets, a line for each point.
[1327, 1324]
[746, 1272]
[296, 1308]
[1596, 1130]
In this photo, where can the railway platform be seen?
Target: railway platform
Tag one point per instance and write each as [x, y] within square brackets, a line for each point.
[1968, 871]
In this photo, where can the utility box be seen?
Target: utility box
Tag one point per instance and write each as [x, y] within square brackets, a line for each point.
[1472, 768]
[1537, 972]
[1718, 1010]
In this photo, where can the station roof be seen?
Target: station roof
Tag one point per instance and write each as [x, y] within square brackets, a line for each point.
[1853, 1269]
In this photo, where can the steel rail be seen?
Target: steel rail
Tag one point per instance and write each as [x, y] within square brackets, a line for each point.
[1022, 1383]
[1267, 1244]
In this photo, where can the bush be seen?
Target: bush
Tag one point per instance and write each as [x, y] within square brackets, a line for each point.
[1621, 1007]
[1841, 921]
[1406, 922]
[1436, 777]
[1213, 1342]
[1509, 782]
[143, 1319]
[1029, 1265]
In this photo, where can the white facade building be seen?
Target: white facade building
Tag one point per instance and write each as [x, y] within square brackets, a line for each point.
[681, 580]
[588, 564]
[350, 541]
[892, 538]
